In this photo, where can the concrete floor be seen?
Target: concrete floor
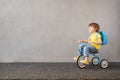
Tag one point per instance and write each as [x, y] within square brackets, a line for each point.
[57, 71]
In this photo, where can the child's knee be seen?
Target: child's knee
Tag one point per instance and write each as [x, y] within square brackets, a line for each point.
[86, 48]
[81, 45]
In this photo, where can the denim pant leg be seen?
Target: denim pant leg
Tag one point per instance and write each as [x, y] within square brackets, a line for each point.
[88, 50]
[81, 47]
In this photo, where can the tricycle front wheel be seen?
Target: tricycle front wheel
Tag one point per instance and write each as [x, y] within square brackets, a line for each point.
[79, 64]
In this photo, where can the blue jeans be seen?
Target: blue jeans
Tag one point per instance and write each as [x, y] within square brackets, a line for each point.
[86, 49]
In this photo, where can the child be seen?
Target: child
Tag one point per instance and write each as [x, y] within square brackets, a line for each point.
[93, 43]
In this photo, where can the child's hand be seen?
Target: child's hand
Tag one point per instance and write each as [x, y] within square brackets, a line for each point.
[89, 41]
[85, 41]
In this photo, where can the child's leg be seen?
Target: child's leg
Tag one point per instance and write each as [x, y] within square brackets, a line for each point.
[86, 55]
[87, 50]
[81, 47]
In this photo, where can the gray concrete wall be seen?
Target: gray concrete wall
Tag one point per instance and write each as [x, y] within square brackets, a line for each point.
[47, 30]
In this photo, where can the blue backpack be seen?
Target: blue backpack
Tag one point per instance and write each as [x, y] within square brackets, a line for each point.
[104, 37]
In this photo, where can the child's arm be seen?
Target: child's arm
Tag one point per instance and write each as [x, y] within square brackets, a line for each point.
[98, 43]
[79, 41]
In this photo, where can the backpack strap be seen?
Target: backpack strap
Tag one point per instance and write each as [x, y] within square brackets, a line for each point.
[97, 35]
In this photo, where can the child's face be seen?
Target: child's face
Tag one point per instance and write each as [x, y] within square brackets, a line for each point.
[91, 29]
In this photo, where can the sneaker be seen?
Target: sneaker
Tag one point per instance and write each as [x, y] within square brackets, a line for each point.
[75, 58]
[85, 62]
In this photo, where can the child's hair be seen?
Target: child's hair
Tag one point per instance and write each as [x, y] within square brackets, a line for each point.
[95, 25]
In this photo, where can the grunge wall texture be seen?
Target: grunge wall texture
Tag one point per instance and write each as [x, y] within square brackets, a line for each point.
[47, 30]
